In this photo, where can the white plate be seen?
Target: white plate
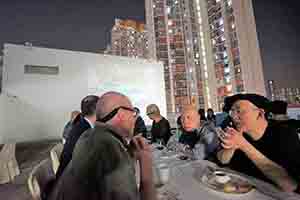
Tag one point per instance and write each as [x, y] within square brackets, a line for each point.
[239, 184]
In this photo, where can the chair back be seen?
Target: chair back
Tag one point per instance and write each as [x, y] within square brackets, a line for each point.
[55, 156]
[8, 164]
[39, 178]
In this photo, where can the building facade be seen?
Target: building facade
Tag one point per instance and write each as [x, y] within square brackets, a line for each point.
[290, 95]
[36, 77]
[237, 60]
[128, 38]
[177, 37]
[209, 48]
[1, 66]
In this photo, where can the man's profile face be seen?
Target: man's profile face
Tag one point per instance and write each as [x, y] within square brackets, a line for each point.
[244, 115]
[130, 116]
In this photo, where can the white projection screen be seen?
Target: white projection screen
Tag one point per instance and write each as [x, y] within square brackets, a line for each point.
[142, 81]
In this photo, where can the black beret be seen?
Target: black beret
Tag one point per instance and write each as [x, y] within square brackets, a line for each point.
[258, 100]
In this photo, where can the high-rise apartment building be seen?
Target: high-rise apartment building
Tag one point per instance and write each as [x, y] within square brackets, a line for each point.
[290, 95]
[128, 38]
[209, 49]
[236, 53]
[177, 39]
[271, 89]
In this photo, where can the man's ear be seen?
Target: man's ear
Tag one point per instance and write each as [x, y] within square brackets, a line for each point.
[261, 113]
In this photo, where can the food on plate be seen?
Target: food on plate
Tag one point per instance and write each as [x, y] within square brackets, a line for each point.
[237, 188]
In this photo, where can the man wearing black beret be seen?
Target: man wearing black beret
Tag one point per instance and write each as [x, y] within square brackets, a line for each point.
[257, 147]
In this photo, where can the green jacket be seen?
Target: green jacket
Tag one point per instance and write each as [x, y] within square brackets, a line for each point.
[101, 168]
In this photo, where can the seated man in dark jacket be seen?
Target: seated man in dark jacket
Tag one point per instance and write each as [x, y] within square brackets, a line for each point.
[140, 127]
[81, 123]
[68, 126]
[199, 140]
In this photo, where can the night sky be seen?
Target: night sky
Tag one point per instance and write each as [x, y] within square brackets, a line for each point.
[278, 27]
[84, 25]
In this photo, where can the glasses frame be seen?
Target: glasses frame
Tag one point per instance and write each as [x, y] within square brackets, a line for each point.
[151, 113]
[110, 115]
[239, 112]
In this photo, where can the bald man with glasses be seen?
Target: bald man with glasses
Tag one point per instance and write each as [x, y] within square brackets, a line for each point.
[103, 165]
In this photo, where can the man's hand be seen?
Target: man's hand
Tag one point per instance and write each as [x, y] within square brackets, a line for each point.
[233, 139]
[143, 153]
[142, 150]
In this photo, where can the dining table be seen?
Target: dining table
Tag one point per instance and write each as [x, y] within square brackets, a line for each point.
[184, 180]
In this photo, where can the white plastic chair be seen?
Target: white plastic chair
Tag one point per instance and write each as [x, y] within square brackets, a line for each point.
[55, 156]
[8, 164]
[39, 179]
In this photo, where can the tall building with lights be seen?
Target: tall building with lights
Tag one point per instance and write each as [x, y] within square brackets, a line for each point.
[209, 49]
[235, 48]
[128, 38]
[176, 37]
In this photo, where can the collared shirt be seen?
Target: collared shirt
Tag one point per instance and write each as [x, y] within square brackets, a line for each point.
[90, 123]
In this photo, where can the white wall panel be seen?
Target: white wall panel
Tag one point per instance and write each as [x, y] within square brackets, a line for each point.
[40, 104]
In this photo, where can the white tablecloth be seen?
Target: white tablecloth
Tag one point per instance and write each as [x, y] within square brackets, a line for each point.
[185, 182]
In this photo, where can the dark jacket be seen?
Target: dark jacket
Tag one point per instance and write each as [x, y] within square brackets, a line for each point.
[161, 131]
[67, 130]
[78, 127]
[140, 127]
[101, 169]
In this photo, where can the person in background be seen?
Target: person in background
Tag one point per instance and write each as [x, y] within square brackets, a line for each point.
[279, 115]
[199, 138]
[220, 118]
[68, 126]
[211, 117]
[201, 112]
[279, 110]
[160, 129]
[257, 147]
[103, 165]
[81, 123]
[178, 122]
[140, 127]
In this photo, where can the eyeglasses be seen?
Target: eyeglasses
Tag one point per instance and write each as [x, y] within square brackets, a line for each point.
[238, 111]
[150, 113]
[110, 115]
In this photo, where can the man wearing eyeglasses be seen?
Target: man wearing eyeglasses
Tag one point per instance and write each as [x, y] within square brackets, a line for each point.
[257, 147]
[102, 166]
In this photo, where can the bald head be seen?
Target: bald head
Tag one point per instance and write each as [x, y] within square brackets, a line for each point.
[189, 108]
[109, 101]
[123, 120]
[190, 118]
